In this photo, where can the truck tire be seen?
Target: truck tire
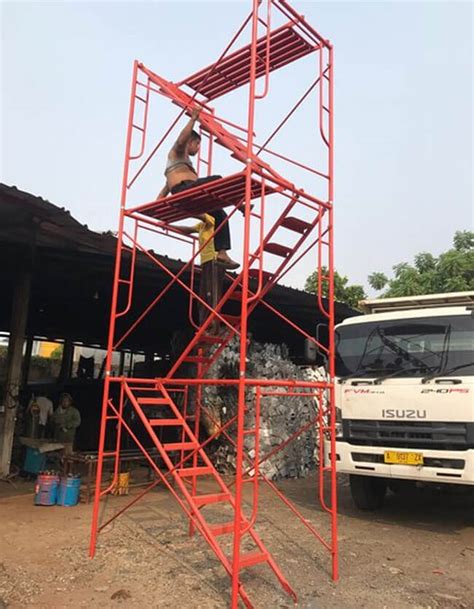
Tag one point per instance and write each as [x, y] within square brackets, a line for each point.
[368, 492]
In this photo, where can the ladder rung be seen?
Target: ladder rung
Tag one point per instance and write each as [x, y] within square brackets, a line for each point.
[277, 249]
[152, 401]
[110, 454]
[254, 273]
[197, 359]
[232, 319]
[248, 432]
[195, 471]
[137, 127]
[141, 98]
[125, 281]
[222, 529]
[165, 422]
[111, 416]
[180, 446]
[213, 340]
[236, 295]
[253, 558]
[295, 224]
[214, 498]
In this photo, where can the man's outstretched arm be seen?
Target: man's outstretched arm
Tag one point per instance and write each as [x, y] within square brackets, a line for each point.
[185, 134]
[186, 230]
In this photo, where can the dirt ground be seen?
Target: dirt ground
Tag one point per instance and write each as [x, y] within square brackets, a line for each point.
[418, 552]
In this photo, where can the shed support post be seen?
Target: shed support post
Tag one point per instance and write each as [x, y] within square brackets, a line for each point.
[21, 298]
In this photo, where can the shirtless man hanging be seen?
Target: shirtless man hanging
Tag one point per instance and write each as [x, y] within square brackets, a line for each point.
[181, 175]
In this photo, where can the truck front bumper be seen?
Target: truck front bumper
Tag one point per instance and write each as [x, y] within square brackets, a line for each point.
[440, 466]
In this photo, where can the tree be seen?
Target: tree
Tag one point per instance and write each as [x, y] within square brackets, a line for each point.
[451, 271]
[349, 294]
[57, 353]
[378, 280]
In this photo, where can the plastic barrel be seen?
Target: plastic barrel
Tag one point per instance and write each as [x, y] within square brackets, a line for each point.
[68, 494]
[46, 489]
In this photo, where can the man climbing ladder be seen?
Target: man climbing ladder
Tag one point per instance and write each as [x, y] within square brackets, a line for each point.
[181, 175]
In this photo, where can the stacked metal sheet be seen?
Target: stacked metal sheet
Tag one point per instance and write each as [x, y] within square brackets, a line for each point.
[281, 415]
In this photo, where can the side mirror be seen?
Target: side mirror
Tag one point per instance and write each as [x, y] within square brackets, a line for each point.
[310, 351]
[313, 354]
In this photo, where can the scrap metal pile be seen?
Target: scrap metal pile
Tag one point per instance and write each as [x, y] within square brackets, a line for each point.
[281, 416]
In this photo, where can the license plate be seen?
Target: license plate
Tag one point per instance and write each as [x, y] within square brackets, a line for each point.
[398, 458]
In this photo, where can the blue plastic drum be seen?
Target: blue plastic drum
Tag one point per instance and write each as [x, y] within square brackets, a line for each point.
[69, 488]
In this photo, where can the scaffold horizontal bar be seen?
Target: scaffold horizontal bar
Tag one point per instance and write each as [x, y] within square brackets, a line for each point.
[210, 381]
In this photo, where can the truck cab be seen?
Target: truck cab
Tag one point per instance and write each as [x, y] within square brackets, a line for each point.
[404, 394]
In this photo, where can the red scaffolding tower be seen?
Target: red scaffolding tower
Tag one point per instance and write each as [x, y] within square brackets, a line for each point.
[283, 225]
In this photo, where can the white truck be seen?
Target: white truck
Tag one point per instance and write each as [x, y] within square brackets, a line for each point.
[405, 394]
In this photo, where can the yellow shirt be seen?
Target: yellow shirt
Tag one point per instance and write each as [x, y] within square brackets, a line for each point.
[205, 229]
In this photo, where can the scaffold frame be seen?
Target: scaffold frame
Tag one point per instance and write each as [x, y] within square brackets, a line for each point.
[309, 220]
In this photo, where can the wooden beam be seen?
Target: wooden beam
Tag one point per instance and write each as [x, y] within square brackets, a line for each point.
[19, 317]
[65, 372]
[27, 361]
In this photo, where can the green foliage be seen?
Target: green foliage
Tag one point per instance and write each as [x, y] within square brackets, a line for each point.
[57, 353]
[349, 294]
[452, 271]
[463, 240]
[378, 280]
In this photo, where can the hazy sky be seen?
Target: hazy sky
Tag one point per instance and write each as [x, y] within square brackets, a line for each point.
[404, 119]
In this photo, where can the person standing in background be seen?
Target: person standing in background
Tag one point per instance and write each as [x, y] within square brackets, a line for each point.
[66, 420]
[44, 406]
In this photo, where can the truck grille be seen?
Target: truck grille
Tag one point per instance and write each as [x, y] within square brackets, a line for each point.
[409, 434]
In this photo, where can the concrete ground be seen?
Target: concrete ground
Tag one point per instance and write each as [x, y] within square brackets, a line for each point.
[418, 552]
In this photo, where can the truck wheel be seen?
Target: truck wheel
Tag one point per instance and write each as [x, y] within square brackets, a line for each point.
[368, 492]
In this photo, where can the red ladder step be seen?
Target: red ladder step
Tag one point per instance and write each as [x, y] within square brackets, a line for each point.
[236, 295]
[222, 529]
[232, 319]
[252, 558]
[169, 446]
[212, 340]
[197, 359]
[200, 500]
[295, 224]
[165, 422]
[194, 471]
[277, 249]
[152, 401]
[254, 273]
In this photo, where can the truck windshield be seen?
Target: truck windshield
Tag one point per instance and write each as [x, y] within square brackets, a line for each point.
[407, 347]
